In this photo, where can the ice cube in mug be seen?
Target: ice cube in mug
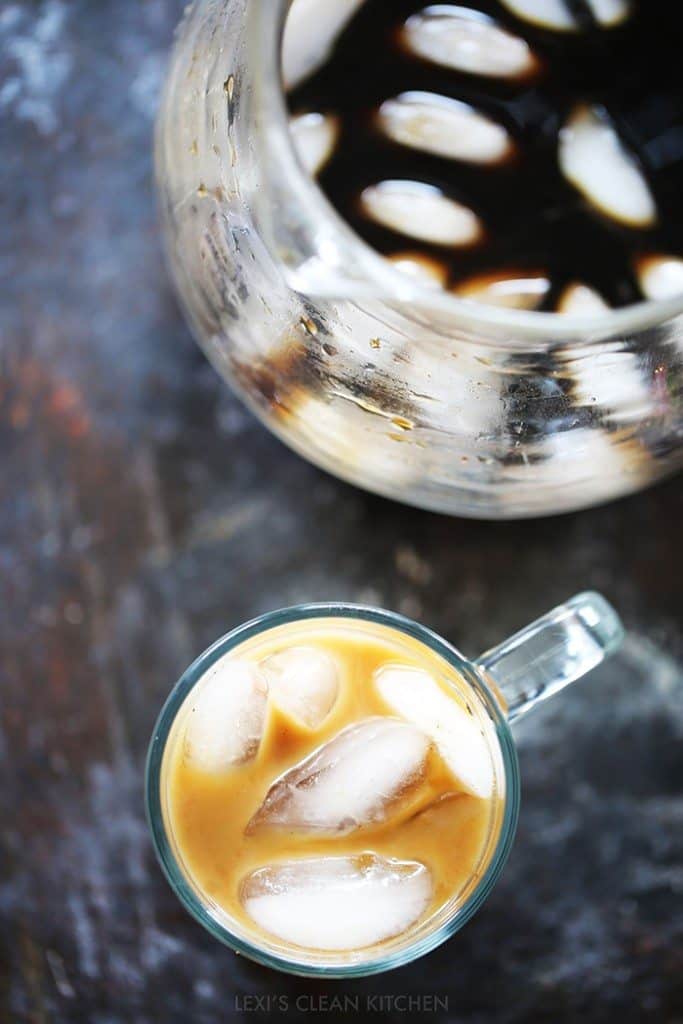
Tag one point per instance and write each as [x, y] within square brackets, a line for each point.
[355, 779]
[304, 682]
[226, 717]
[337, 903]
[416, 696]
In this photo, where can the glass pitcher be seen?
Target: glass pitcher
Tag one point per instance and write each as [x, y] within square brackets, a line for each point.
[409, 392]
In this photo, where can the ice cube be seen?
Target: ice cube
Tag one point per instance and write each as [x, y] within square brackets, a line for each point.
[614, 380]
[226, 715]
[337, 903]
[311, 30]
[589, 463]
[593, 158]
[467, 40]
[610, 12]
[421, 211]
[555, 14]
[354, 779]
[420, 267]
[578, 299]
[414, 694]
[350, 440]
[314, 137]
[444, 126]
[660, 277]
[558, 15]
[304, 682]
[514, 291]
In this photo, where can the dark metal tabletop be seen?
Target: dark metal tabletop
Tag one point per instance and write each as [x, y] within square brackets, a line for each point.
[145, 512]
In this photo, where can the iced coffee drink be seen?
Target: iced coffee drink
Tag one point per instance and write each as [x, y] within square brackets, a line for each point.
[331, 785]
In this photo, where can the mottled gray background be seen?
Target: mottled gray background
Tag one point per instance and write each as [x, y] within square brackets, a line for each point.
[145, 512]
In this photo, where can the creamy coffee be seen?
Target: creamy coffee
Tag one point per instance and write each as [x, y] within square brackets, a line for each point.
[331, 785]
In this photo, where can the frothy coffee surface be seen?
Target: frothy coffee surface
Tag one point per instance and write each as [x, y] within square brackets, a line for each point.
[517, 152]
[332, 785]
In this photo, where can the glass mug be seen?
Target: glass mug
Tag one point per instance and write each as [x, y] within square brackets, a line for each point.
[505, 683]
[407, 391]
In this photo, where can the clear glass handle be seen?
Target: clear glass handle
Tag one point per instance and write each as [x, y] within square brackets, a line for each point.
[553, 651]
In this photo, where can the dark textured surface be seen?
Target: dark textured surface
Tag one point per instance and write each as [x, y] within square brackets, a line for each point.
[145, 512]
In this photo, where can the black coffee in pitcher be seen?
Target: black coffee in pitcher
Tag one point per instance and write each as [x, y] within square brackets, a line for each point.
[525, 153]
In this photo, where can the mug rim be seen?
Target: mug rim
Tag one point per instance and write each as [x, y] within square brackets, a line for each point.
[177, 878]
